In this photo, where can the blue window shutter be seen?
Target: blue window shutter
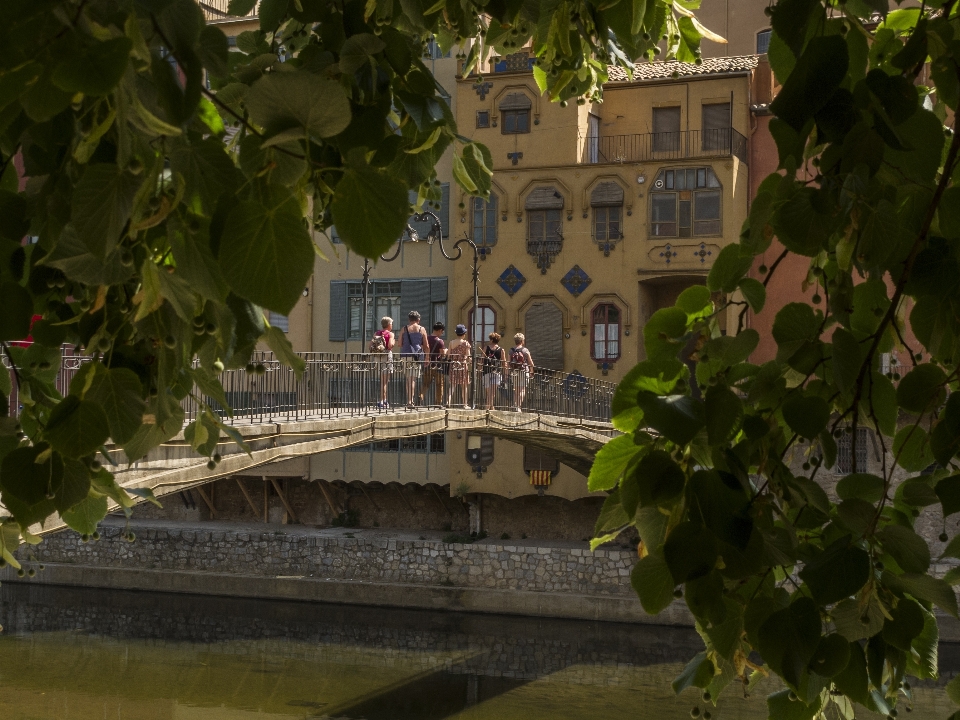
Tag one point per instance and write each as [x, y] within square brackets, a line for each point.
[338, 310]
[414, 295]
[438, 289]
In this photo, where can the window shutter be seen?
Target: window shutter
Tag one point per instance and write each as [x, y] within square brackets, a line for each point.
[545, 198]
[543, 327]
[666, 120]
[716, 116]
[338, 310]
[438, 289]
[516, 101]
[536, 459]
[606, 194]
[414, 295]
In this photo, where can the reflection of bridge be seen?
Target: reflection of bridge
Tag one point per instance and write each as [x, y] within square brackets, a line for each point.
[333, 405]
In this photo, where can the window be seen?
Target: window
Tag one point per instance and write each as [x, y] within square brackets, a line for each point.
[593, 139]
[515, 112]
[439, 313]
[607, 202]
[485, 221]
[279, 321]
[418, 444]
[666, 129]
[716, 127]
[763, 41]
[383, 299]
[536, 459]
[485, 324]
[685, 202]
[544, 230]
[483, 118]
[845, 452]
[606, 332]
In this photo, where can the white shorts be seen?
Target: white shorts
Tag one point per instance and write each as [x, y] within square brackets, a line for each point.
[492, 379]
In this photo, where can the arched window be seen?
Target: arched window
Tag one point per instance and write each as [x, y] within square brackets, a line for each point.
[685, 202]
[544, 230]
[607, 203]
[485, 220]
[483, 325]
[606, 333]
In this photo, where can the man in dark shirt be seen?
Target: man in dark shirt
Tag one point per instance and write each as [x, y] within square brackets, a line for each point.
[436, 362]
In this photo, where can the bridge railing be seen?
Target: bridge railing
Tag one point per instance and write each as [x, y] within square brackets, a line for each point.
[334, 385]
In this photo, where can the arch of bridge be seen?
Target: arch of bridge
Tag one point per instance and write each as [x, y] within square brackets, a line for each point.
[174, 467]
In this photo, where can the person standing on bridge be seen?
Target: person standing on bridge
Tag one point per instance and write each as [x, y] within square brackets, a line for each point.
[494, 368]
[413, 344]
[436, 366]
[521, 365]
[382, 345]
[459, 361]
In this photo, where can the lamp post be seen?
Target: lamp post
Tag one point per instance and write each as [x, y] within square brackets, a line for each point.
[434, 235]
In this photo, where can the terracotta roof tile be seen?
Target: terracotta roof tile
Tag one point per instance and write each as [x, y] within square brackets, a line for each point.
[662, 70]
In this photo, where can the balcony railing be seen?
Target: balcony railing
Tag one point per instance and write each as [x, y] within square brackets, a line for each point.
[723, 142]
[216, 11]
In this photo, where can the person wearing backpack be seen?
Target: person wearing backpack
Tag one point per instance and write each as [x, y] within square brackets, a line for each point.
[521, 366]
[494, 366]
[381, 346]
[413, 344]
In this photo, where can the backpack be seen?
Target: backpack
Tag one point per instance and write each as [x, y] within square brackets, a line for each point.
[493, 361]
[410, 347]
[518, 358]
[378, 345]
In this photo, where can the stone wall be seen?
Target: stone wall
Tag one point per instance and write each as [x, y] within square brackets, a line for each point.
[368, 557]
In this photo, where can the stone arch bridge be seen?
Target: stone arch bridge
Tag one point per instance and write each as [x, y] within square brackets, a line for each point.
[333, 406]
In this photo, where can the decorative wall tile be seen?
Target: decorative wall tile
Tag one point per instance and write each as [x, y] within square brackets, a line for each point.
[511, 280]
[576, 280]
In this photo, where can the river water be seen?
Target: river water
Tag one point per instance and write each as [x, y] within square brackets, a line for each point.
[77, 654]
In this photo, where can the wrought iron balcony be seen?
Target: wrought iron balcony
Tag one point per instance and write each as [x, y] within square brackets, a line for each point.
[683, 145]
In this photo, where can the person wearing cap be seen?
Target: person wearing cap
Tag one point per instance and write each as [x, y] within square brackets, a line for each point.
[458, 357]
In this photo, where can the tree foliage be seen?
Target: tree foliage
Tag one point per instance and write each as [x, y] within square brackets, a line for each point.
[830, 582]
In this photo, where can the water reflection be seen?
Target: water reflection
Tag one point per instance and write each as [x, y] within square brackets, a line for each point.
[79, 654]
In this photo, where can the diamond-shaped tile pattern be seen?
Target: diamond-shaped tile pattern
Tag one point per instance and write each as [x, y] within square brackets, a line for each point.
[576, 280]
[511, 280]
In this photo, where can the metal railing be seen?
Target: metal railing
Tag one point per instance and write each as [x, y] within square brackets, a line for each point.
[334, 385]
[216, 11]
[682, 145]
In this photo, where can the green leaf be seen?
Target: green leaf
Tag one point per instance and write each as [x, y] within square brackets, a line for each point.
[207, 170]
[910, 551]
[657, 376]
[728, 269]
[102, 203]
[26, 483]
[720, 501]
[677, 417]
[789, 638]
[704, 598]
[948, 490]
[77, 427]
[370, 210]
[726, 636]
[72, 256]
[120, 395]
[794, 325]
[953, 690]
[801, 224]
[922, 663]
[926, 588]
[612, 515]
[806, 415]
[86, 514]
[921, 387]
[93, 70]
[698, 673]
[690, 551]
[358, 50]
[657, 479]
[271, 254]
[271, 12]
[846, 361]
[724, 413]
[17, 312]
[852, 681]
[883, 403]
[945, 438]
[278, 342]
[862, 486]
[815, 77]
[662, 333]
[831, 657]
[75, 485]
[838, 572]
[754, 292]
[653, 583]
[240, 7]
[282, 101]
[695, 300]
[782, 707]
[610, 462]
[905, 625]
